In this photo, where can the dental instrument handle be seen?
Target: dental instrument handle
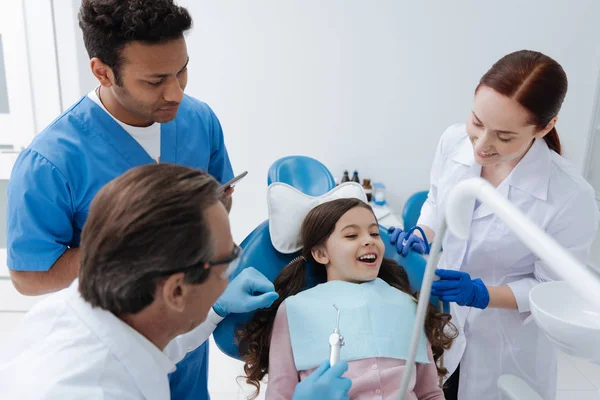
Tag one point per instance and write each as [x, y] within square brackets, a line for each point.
[336, 341]
[428, 277]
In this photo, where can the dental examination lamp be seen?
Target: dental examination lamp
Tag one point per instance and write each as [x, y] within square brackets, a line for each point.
[567, 312]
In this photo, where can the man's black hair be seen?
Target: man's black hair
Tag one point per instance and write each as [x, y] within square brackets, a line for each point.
[109, 25]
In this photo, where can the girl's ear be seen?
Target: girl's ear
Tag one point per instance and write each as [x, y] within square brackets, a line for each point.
[320, 255]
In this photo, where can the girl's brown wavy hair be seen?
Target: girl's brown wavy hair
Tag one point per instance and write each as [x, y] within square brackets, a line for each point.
[255, 337]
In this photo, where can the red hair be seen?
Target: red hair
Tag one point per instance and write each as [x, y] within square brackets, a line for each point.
[535, 81]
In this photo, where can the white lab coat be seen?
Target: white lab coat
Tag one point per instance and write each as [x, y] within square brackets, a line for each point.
[554, 196]
[65, 349]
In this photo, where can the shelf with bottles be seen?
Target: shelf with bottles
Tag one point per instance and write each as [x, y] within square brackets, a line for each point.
[376, 197]
[375, 191]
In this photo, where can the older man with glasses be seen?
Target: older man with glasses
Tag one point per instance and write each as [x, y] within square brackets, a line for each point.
[156, 254]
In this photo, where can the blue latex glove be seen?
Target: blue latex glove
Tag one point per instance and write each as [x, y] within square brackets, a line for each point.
[407, 240]
[249, 291]
[458, 287]
[325, 383]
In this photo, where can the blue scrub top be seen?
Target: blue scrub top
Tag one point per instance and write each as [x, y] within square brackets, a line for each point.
[55, 179]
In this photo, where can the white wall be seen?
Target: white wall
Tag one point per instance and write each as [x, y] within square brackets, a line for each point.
[371, 85]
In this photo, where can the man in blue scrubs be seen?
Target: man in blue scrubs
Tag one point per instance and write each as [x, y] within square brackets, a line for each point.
[138, 115]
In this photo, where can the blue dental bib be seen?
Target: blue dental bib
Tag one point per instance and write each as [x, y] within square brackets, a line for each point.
[376, 320]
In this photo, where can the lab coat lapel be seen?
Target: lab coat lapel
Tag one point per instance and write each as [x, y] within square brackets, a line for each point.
[168, 142]
[119, 139]
[531, 175]
[483, 210]
[463, 155]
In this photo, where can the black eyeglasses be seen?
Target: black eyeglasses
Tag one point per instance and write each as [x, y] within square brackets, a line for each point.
[237, 252]
[233, 260]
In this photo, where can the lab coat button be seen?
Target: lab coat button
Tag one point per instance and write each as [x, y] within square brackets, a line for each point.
[374, 366]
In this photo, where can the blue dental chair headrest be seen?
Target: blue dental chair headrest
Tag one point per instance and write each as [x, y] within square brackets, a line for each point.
[412, 208]
[304, 173]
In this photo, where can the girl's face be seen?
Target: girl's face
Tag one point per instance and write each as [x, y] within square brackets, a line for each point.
[500, 129]
[354, 251]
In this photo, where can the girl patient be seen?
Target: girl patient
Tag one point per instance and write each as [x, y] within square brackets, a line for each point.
[287, 341]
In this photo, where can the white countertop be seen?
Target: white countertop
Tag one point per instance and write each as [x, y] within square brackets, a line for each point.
[386, 217]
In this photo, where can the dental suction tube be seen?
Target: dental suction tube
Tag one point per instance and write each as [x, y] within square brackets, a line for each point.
[428, 276]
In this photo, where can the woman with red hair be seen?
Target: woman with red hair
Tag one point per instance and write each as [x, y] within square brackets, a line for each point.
[510, 139]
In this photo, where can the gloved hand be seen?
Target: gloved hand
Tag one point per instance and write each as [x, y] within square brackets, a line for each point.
[249, 291]
[458, 287]
[406, 240]
[325, 383]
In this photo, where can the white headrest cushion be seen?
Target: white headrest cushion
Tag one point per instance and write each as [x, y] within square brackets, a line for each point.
[288, 207]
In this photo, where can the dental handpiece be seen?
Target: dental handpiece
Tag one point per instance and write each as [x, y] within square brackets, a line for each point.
[336, 341]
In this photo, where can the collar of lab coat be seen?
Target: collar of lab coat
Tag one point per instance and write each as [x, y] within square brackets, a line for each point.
[147, 364]
[531, 175]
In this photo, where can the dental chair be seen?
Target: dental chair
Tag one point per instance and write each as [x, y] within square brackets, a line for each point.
[412, 208]
[304, 173]
[311, 177]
